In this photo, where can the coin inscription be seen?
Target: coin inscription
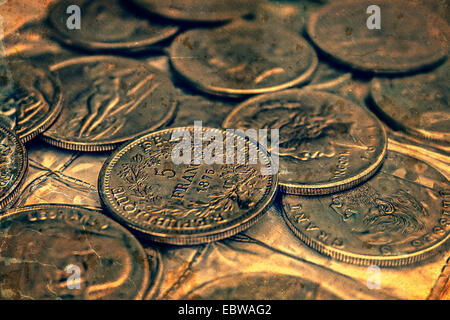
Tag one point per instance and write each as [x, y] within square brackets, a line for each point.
[326, 143]
[398, 217]
[107, 101]
[242, 58]
[43, 244]
[182, 203]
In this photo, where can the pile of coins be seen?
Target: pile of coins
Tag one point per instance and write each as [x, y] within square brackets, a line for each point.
[336, 91]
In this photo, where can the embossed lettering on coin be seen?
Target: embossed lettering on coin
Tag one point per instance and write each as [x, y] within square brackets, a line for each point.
[327, 143]
[107, 101]
[67, 252]
[242, 58]
[398, 217]
[411, 37]
[108, 25]
[184, 203]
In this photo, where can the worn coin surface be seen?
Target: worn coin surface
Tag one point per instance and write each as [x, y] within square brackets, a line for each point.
[107, 25]
[261, 286]
[13, 166]
[36, 97]
[107, 101]
[410, 36]
[69, 252]
[199, 10]
[398, 217]
[193, 107]
[326, 143]
[417, 104]
[141, 185]
[242, 58]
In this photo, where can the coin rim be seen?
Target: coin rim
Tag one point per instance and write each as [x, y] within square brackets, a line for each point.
[49, 206]
[178, 239]
[183, 17]
[416, 132]
[154, 287]
[365, 259]
[11, 196]
[180, 69]
[56, 107]
[111, 144]
[323, 188]
[245, 275]
[406, 67]
[130, 46]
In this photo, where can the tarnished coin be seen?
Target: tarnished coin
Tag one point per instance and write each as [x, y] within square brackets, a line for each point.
[398, 217]
[190, 202]
[418, 104]
[106, 25]
[261, 286]
[242, 58]
[107, 101]
[155, 262]
[199, 10]
[192, 107]
[13, 166]
[410, 37]
[36, 97]
[69, 252]
[326, 143]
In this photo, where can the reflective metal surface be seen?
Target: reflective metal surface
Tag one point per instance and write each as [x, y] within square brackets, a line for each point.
[268, 252]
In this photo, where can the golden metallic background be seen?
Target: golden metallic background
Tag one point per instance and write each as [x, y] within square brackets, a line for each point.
[60, 176]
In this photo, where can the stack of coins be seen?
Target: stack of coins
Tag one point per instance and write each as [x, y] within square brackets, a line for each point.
[200, 116]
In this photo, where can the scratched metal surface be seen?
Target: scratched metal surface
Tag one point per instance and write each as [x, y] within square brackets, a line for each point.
[61, 176]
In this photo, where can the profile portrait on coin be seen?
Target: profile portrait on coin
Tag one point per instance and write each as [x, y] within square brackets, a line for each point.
[397, 217]
[380, 220]
[326, 143]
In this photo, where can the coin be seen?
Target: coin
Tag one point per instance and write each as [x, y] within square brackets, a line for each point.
[13, 166]
[69, 252]
[199, 10]
[410, 36]
[193, 107]
[184, 204]
[242, 58]
[261, 286]
[107, 25]
[36, 97]
[417, 104]
[326, 143]
[155, 261]
[107, 101]
[398, 217]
